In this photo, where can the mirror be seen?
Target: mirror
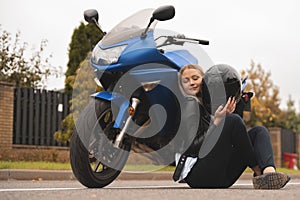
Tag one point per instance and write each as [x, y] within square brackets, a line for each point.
[91, 16]
[164, 13]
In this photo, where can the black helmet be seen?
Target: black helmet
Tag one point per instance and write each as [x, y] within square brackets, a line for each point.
[222, 81]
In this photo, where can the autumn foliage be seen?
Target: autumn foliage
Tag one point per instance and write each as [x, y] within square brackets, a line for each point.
[266, 103]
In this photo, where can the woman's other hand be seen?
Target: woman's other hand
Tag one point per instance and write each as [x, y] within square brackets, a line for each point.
[223, 110]
[230, 105]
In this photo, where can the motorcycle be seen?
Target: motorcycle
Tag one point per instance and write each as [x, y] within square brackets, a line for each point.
[141, 107]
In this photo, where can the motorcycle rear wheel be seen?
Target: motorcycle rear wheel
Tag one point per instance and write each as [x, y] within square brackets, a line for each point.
[85, 160]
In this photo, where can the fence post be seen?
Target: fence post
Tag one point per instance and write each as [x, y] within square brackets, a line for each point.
[298, 149]
[6, 114]
[275, 134]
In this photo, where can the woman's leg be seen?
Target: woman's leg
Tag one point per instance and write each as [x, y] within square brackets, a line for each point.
[261, 142]
[270, 179]
[228, 159]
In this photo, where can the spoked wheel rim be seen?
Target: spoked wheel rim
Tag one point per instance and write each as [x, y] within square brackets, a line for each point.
[104, 158]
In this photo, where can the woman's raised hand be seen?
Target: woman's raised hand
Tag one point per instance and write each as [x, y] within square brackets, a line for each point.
[223, 110]
[230, 105]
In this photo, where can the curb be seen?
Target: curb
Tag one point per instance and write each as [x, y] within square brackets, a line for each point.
[15, 174]
[66, 175]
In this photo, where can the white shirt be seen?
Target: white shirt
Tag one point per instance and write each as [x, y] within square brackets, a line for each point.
[190, 161]
[188, 165]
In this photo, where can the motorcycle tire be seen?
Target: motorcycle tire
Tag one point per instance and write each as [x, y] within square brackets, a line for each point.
[85, 165]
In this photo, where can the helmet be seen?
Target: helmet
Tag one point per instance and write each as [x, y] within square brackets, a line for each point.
[222, 81]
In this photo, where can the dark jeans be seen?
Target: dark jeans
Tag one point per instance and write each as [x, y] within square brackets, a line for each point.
[233, 152]
[261, 141]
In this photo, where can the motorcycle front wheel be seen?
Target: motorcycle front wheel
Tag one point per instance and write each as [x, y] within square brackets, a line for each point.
[94, 161]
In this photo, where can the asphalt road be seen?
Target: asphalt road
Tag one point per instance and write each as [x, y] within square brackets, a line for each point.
[123, 189]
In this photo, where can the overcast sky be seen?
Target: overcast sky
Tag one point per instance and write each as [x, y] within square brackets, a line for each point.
[265, 31]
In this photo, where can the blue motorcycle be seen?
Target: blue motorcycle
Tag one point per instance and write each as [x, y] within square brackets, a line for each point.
[141, 108]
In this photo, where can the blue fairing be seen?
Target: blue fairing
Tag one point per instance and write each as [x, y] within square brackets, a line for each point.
[181, 57]
[119, 101]
[103, 95]
[141, 51]
[138, 52]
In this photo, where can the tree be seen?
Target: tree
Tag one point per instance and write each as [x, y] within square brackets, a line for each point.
[289, 118]
[79, 76]
[84, 38]
[265, 103]
[15, 68]
[83, 87]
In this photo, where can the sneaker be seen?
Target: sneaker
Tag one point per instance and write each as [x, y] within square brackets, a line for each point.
[275, 180]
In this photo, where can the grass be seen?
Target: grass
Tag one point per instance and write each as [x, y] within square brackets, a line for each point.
[41, 165]
[34, 165]
[288, 171]
[284, 170]
[66, 166]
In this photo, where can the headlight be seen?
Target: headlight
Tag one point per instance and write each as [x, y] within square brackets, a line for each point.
[107, 56]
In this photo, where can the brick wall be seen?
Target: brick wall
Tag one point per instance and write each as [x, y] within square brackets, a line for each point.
[6, 114]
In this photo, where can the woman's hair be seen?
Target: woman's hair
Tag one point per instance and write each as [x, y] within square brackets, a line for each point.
[192, 66]
[203, 97]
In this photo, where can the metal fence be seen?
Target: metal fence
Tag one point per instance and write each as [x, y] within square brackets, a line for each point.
[38, 115]
[288, 141]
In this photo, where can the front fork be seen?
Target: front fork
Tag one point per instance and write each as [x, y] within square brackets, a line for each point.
[132, 108]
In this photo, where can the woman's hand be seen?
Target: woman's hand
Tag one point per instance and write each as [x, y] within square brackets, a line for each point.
[222, 111]
[230, 105]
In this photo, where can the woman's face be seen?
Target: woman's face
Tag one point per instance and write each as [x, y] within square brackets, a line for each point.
[191, 80]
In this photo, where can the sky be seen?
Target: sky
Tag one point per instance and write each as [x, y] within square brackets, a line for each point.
[239, 31]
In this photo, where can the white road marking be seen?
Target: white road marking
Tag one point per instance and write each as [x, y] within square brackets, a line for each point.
[120, 187]
[148, 187]
[35, 189]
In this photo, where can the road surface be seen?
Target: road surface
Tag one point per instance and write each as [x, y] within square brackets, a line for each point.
[123, 189]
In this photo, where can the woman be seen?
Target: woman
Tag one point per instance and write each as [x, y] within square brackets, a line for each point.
[233, 152]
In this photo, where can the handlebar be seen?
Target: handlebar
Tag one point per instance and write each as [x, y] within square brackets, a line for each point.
[203, 42]
[180, 40]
